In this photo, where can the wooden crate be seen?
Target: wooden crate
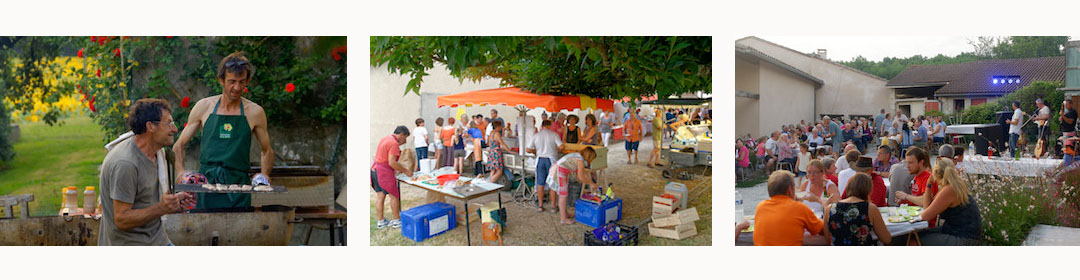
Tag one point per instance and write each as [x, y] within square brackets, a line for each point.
[679, 218]
[663, 207]
[677, 232]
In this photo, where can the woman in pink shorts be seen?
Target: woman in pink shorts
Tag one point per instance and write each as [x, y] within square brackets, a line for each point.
[559, 177]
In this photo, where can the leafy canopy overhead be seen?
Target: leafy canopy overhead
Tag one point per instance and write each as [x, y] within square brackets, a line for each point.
[601, 67]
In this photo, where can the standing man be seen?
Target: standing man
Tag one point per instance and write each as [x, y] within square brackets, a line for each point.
[836, 134]
[546, 145]
[900, 116]
[1014, 127]
[1068, 129]
[657, 137]
[1042, 119]
[420, 141]
[383, 178]
[132, 202]
[229, 120]
[632, 133]
[879, 121]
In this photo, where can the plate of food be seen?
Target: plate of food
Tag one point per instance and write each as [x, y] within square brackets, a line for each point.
[749, 229]
[898, 219]
[422, 177]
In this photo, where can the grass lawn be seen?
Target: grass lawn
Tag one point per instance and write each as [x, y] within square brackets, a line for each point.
[49, 158]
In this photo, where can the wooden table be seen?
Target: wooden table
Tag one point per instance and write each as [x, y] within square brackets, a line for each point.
[334, 219]
[488, 188]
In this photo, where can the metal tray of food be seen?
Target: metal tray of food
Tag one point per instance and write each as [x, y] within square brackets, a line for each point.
[227, 189]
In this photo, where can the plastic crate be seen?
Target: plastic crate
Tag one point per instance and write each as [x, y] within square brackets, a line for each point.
[596, 215]
[425, 221]
[630, 237]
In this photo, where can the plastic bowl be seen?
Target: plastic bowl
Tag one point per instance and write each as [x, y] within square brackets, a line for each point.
[446, 178]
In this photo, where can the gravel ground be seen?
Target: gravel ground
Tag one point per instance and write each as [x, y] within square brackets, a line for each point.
[635, 184]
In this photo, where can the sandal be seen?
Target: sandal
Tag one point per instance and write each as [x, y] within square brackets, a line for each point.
[540, 209]
[567, 222]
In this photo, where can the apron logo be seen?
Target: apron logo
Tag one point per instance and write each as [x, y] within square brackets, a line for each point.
[226, 131]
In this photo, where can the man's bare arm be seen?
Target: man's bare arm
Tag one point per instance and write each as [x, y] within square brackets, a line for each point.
[194, 123]
[266, 162]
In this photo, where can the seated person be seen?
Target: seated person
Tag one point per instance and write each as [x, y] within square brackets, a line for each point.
[780, 220]
[955, 205]
[850, 221]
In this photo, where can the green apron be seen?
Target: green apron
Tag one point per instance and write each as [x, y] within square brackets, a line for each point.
[224, 158]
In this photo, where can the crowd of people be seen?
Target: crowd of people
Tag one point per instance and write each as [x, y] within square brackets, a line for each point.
[842, 205]
[478, 142]
[829, 186]
[793, 146]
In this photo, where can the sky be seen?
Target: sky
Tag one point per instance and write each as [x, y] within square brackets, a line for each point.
[876, 48]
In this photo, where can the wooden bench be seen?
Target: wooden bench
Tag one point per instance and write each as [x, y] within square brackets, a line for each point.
[8, 202]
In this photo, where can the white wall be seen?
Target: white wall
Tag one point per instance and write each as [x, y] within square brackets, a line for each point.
[845, 91]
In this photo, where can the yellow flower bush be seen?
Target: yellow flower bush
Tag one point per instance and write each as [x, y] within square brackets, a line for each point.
[58, 71]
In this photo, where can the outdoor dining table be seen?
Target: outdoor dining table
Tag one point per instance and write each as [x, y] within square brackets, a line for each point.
[896, 229]
[1024, 167]
[487, 187]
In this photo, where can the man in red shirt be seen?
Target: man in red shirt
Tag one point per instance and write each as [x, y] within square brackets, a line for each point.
[879, 193]
[383, 178]
[922, 191]
[782, 220]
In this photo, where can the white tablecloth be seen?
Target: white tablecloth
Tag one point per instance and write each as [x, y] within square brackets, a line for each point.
[968, 129]
[481, 183]
[1025, 167]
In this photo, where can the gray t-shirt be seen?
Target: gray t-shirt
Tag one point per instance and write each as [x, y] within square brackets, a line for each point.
[606, 123]
[899, 180]
[127, 175]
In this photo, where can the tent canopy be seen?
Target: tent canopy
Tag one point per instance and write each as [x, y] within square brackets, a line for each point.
[514, 97]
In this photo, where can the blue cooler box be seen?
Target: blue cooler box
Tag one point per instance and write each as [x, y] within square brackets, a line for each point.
[595, 215]
[424, 221]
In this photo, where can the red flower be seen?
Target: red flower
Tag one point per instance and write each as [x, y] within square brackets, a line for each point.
[245, 89]
[92, 109]
[116, 52]
[336, 56]
[290, 87]
[125, 37]
[185, 125]
[168, 36]
[93, 39]
[185, 102]
[99, 73]
[80, 55]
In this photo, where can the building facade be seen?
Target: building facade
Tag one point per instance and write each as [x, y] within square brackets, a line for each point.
[776, 85]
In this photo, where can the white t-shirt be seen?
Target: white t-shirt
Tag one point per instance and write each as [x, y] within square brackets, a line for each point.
[843, 177]
[546, 143]
[842, 163]
[771, 146]
[1018, 118]
[1045, 112]
[420, 137]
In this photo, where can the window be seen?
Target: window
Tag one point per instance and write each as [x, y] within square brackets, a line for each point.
[958, 105]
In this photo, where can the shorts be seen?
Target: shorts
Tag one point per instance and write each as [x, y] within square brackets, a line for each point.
[421, 153]
[632, 146]
[459, 153]
[543, 167]
[939, 139]
[801, 174]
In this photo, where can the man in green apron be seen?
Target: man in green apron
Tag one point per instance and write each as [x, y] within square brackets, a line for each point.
[227, 122]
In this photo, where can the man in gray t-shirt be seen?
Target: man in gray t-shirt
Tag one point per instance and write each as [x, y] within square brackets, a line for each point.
[899, 181]
[131, 197]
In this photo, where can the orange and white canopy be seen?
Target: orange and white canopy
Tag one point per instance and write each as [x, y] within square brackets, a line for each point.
[515, 97]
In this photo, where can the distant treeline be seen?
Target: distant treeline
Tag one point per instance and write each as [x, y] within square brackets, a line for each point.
[984, 48]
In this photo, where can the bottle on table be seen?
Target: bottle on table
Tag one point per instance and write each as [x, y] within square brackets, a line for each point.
[740, 213]
[89, 200]
[71, 199]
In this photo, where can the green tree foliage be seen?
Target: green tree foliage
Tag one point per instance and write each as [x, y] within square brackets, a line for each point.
[1030, 46]
[7, 149]
[605, 67]
[23, 64]
[985, 48]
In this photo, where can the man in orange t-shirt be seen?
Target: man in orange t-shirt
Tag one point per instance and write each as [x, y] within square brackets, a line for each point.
[632, 132]
[781, 220]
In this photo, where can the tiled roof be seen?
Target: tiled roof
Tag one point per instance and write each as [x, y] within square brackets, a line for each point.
[976, 77]
[749, 51]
